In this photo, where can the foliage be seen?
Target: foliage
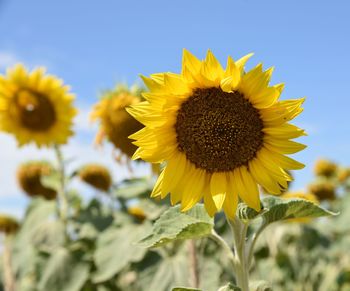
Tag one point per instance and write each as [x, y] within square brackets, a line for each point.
[107, 248]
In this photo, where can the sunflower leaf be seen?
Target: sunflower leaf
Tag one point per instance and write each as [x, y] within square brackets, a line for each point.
[260, 286]
[57, 276]
[281, 209]
[244, 212]
[185, 289]
[176, 225]
[229, 287]
[116, 249]
[133, 188]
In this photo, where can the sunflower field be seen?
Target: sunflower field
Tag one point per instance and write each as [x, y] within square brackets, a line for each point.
[217, 206]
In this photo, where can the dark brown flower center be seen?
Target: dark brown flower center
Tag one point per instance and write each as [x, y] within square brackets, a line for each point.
[34, 110]
[218, 131]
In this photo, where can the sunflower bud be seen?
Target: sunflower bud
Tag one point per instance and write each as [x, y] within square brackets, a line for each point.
[96, 176]
[29, 177]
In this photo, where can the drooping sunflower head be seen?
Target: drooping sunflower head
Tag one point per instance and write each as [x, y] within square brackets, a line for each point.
[35, 107]
[323, 190]
[115, 122]
[325, 168]
[29, 177]
[97, 176]
[222, 132]
[8, 224]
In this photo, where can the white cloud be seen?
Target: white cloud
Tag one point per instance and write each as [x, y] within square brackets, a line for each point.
[7, 59]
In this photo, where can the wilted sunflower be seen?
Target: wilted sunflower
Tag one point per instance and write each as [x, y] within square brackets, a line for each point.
[325, 168]
[29, 177]
[221, 131]
[8, 224]
[115, 123]
[35, 107]
[97, 176]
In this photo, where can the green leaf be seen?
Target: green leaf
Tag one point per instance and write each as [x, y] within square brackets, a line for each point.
[229, 287]
[133, 188]
[260, 286]
[64, 272]
[167, 273]
[116, 249]
[51, 181]
[244, 212]
[185, 289]
[282, 209]
[176, 225]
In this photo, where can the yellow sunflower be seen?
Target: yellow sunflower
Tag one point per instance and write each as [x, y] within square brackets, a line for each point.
[220, 131]
[35, 107]
[115, 123]
[325, 168]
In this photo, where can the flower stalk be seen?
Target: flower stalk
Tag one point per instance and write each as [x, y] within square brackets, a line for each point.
[62, 197]
[239, 230]
[9, 280]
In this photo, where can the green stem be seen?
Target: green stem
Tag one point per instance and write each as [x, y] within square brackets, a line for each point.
[229, 252]
[62, 198]
[9, 279]
[239, 230]
[193, 262]
[253, 242]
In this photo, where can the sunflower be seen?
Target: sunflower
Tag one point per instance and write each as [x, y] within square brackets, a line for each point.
[8, 224]
[35, 107]
[96, 176]
[323, 190]
[220, 131]
[343, 175]
[29, 177]
[115, 123]
[325, 168]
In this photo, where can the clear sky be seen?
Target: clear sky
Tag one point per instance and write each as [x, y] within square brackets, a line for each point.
[93, 44]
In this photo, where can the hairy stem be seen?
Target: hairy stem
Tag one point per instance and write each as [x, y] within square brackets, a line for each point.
[62, 198]
[193, 260]
[9, 279]
[252, 244]
[229, 252]
[239, 230]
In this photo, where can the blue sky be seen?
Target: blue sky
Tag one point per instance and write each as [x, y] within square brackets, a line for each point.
[93, 44]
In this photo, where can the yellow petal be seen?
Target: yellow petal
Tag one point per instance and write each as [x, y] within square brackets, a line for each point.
[247, 188]
[194, 189]
[157, 189]
[218, 185]
[231, 199]
[261, 176]
[190, 62]
[242, 61]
